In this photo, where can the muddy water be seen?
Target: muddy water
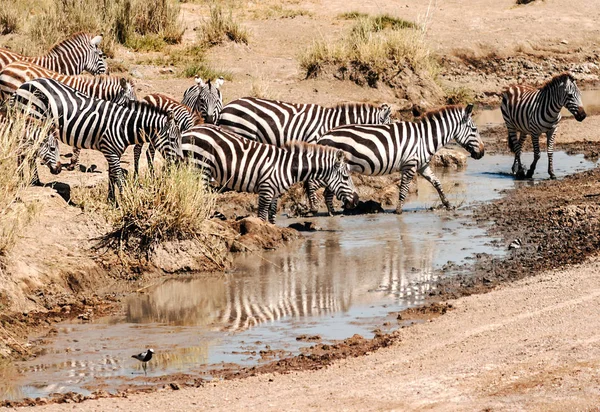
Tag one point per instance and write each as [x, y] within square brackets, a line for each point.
[342, 280]
[590, 98]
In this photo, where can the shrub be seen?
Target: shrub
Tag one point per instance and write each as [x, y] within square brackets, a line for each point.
[14, 177]
[220, 27]
[171, 204]
[375, 49]
[9, 17]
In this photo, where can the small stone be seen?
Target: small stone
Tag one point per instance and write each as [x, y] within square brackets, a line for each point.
[174, 386]
[166, 70]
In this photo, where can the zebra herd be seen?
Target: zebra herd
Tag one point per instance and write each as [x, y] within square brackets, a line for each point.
[258, 145]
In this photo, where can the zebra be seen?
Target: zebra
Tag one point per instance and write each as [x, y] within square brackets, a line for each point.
[276, 123]
[88, 123]
[74, 55]
[404, 146]
[118, 90]
[530, 111]
[248, 166]
[206, 98]
[185, 117]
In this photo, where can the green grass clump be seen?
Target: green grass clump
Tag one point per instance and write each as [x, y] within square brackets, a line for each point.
[205, 71]
[221, 27]
[171, 204]
[375, 49]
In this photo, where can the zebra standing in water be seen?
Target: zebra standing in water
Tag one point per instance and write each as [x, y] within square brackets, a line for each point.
[73, 55]
[405, 146]
[185, 117]
[527, 110]
[89, 123]
[247, 166]
[277, 123]
[205, 98]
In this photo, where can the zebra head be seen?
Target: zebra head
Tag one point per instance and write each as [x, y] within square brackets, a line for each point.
[126, 94]
[340, 182]
[49, 152]
[169, 139]
[467, 134]
[572, 97]
[94, 58]
[210, 100]
[385, 114]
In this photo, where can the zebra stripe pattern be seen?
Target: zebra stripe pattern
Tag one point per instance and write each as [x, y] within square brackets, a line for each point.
[405, 146]
[530, 111]
[205, 98]
[73, 55]
[276, 123]
[247, 166]
[185, 118]
[89, 123]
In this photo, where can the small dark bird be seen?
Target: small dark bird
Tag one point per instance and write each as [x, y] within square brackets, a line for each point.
[516, 244]
[144, 357]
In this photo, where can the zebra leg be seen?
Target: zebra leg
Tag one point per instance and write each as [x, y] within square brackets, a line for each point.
[515, 145]
[329, 201]
[150, 153]
[115, 175]
[137, 152]
[273, 210]
[428, 174]
[264, 205]
[407, 176]
[535, 139]
[311, 187]
[550, 140]
[74, 159]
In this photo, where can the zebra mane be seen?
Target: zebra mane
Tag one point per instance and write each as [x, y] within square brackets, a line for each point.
[65, 42]
[141, 104]
[353, 105]
[563, 77]
[431, 114]
[309, 148]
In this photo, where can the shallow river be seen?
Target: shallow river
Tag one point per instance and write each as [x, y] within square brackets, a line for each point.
[342, 280]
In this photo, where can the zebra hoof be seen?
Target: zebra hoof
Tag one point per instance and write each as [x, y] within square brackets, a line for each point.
[553, 176]
[70, 167]
[398, 210]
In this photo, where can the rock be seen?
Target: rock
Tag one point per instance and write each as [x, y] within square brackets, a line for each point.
[174, 386]
[307, 226]
[449, 158]
[365, 208]
[166, 70]
[136, 73]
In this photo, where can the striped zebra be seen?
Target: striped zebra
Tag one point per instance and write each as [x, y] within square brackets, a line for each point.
[88, 123]
[530, 111]
[404, 146]
[205, 98]
[276, 123]
[185, 117]
[248, 166]
[74, 55]
[115, 89]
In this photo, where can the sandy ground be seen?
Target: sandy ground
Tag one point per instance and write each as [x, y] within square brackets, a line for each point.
[531, 345]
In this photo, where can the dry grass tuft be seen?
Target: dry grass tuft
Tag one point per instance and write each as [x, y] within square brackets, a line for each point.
[376, 49]
[279, 12]
[460, 95]
[221, 27]
[10, 17]
[172, 204]
[14, 178]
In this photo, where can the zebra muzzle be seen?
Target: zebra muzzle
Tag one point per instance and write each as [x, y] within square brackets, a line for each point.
[55, 169]
[580, 115]
[351, 203]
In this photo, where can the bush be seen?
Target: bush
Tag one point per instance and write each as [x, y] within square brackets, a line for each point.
[171, 204]
[14, 177]
[376, 48]
[220, 27]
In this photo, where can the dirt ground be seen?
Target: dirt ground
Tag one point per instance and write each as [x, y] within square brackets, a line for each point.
[483, 355]
[537, 353]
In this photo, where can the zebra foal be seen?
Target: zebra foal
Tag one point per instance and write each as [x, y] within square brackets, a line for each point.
[530, 111]
[404, 146]
[248, 166]
[87, 123]
[74, 55]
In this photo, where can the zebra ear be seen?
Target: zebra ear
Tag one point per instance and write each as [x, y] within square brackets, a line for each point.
[468, 110]
[199, 81]
[96, 40]
[123, 82]
[219, 82]
[170, 116]
[340, 156]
